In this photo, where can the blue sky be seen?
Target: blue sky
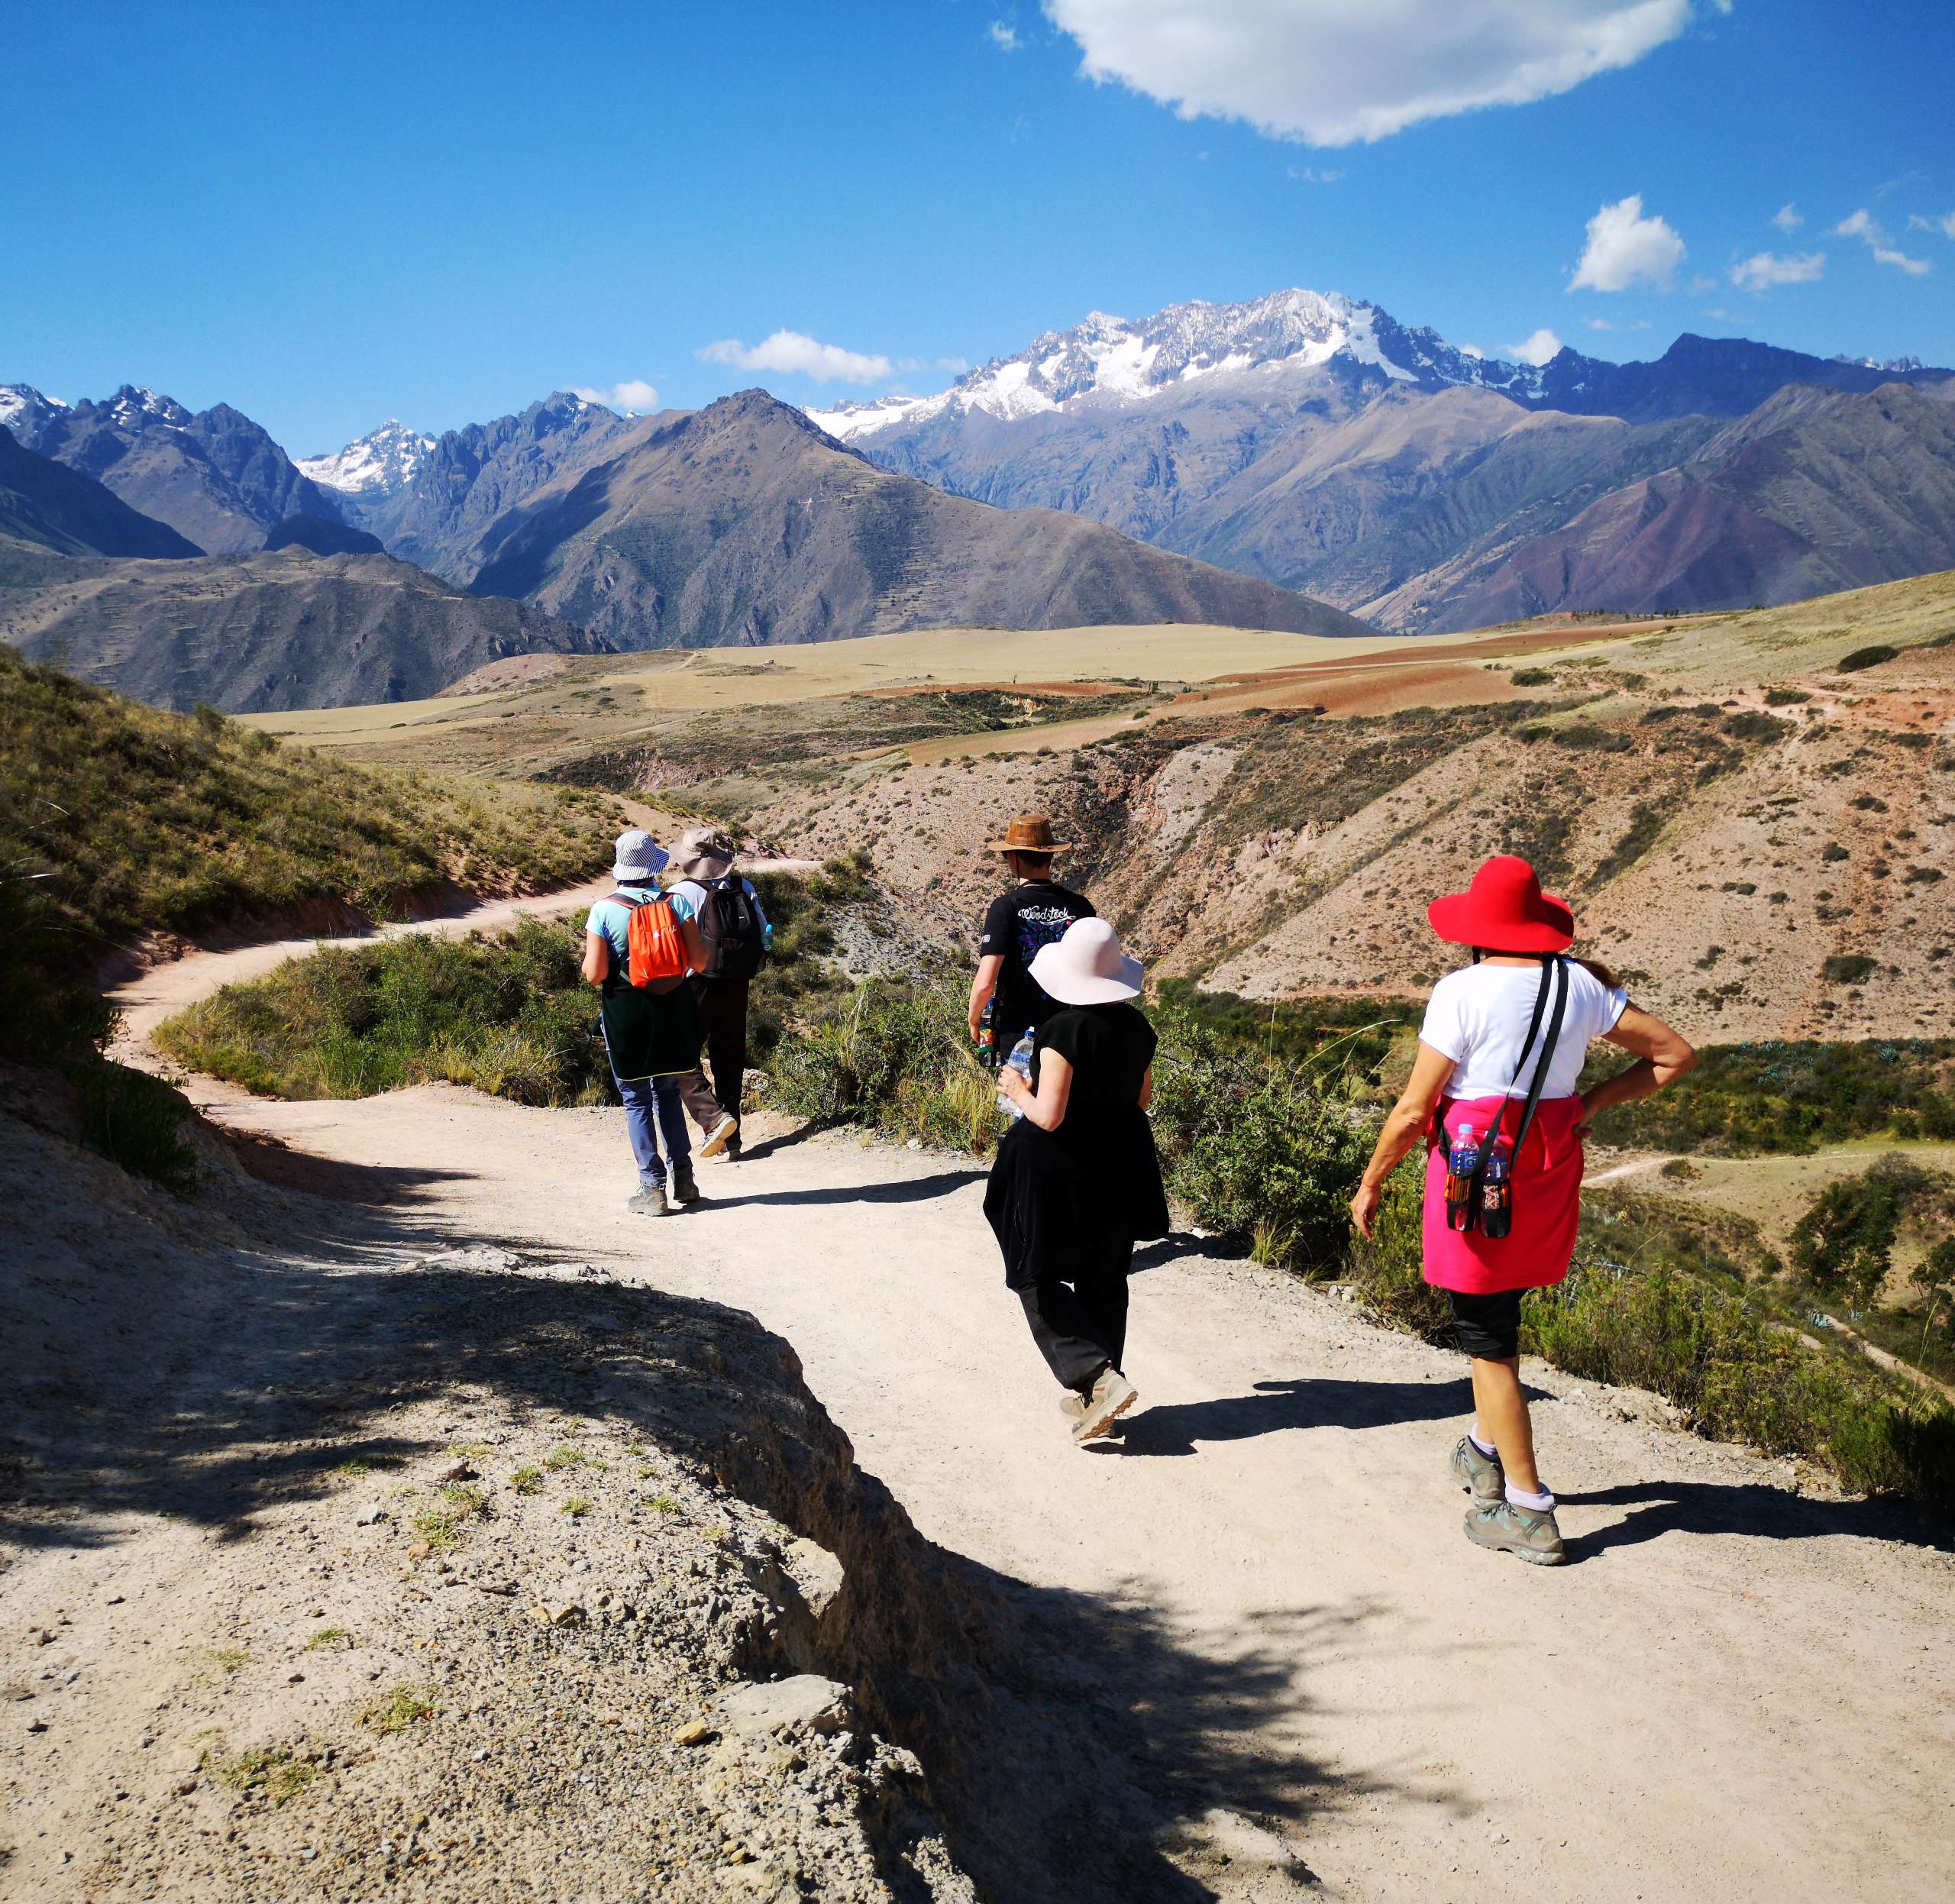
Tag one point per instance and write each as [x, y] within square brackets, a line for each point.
[329, 215]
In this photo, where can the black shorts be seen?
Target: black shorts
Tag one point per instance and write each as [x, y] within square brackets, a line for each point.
[1488, 1326]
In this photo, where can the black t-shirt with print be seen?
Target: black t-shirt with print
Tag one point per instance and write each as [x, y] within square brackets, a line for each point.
[1020, 922]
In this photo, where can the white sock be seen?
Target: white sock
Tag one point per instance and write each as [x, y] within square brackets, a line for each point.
[1487, 1448]
[1541, 1503]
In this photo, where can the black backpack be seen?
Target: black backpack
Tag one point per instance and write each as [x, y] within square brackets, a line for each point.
[730, 924]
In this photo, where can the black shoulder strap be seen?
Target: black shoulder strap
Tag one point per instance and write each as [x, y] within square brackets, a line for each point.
[628, 902]
[1554, 972]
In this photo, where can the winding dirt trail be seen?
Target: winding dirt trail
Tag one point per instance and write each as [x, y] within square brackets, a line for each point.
[1736, 1694]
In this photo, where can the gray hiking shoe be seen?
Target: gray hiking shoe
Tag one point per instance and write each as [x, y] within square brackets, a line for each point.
[1112, 1395]
[1480, 1475]
[684, 1188]
[727, 1131]
[649, 1201]
[1506, 1529]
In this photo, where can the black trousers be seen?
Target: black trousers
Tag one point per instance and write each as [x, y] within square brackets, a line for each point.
[723, 1016]
[1078, 1315]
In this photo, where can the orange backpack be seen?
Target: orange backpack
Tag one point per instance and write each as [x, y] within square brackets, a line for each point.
[656, 957]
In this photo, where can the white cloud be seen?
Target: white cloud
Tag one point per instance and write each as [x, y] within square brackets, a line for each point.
[1538, 349]
[796, 354]
[1864, 226]
[1005, 37]
[634, 396]
[1317, 175]
[1787, 217]
[1626, 248]
[1331, 73]
[1763, 270]
[1945, 224]
[1598, 324]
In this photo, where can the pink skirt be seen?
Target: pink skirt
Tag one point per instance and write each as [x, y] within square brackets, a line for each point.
[1547, 1200]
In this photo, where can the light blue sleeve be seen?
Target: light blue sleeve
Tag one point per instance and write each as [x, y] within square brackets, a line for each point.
[759, 911]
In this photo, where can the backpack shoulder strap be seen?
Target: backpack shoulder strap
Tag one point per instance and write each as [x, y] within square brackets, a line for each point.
[625, 901]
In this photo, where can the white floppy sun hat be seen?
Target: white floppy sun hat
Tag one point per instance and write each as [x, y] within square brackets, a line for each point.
[639, 858]
[1086, 967]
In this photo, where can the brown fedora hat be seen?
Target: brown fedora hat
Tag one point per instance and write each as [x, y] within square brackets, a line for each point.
[1030, 833]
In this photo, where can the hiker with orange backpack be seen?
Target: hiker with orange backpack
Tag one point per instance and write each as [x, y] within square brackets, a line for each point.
[640, 945]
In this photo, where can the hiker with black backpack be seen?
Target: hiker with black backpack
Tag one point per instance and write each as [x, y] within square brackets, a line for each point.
[1493, 1094]
[735, 933]
[640, 945]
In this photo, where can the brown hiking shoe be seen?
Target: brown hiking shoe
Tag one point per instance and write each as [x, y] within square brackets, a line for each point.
[1531, 1533]
[1112, 1395]
[685, 1187]
[1480, 1475]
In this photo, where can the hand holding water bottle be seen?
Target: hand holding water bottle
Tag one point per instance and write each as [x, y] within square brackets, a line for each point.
[1019, 1063]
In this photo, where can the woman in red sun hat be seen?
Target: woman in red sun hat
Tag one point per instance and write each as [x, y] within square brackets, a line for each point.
[1493, 1094]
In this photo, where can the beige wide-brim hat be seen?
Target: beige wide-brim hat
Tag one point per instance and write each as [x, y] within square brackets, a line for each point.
[1086, 967]
[703, 854]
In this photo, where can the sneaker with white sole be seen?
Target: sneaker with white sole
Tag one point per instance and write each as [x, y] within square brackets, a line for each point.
[1532, 1533]
[650, 1202]
[1480, 1475]
[716, 1139]
[1112, 1395]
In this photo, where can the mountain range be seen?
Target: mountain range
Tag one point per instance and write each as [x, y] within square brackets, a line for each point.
[1290, 463]
[1315, 441]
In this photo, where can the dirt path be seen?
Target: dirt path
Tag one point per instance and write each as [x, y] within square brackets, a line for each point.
[1738, 1694]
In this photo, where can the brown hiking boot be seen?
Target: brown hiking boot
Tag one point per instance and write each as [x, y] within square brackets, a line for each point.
[1480, 1475]
[685, 1187]
[1531, 1533]
[1112, 1395]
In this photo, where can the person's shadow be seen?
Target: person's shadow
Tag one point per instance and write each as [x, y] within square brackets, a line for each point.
[1270, 1406]
[1658, 1507]
[903, 1190]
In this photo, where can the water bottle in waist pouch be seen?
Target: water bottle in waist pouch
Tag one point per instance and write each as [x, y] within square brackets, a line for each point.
[987, 1036]
[1461, 1161]
[1020, 1060]
[1497, 1191]
[1487, 1196]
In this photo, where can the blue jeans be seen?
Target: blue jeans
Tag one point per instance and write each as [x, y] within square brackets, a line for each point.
[652, 1105]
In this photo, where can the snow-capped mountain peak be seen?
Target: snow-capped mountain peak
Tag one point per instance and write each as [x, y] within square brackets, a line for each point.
[1108, 360]
[381, 463]
[24, 410]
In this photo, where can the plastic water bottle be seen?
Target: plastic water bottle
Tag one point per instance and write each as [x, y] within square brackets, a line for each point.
[1459, 1162]
[1497, 1191]
[1020, 1060]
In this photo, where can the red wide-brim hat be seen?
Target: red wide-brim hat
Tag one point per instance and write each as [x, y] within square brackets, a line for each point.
[1504, 909]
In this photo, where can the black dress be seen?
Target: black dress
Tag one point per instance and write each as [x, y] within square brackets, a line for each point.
[1094, 1180]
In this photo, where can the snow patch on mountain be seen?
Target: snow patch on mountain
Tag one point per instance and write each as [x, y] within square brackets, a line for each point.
[380, 463]
[1107, 360]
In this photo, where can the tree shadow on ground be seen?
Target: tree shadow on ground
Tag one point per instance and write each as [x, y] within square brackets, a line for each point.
[1304, 1402]
[1076, 1742]
[1658, 1507]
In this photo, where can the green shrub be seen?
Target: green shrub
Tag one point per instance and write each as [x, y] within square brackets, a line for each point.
[1389, 1269]
[1786, 696]
[137, 1121]
[1531, 678]
[1866, 658]
[1849, 968]
[1844, 1243]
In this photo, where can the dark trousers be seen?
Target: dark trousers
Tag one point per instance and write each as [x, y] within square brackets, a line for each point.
[723, 1017]
[1079, 1314]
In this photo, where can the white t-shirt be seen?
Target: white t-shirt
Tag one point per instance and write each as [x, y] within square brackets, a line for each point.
[1478, 1018]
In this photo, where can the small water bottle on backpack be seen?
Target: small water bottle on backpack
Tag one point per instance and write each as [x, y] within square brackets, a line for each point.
[1020, 1060]
[1497, 1191]
[1460, 1161]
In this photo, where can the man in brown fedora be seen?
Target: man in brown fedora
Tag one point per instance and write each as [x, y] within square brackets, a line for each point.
[1035, 914]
